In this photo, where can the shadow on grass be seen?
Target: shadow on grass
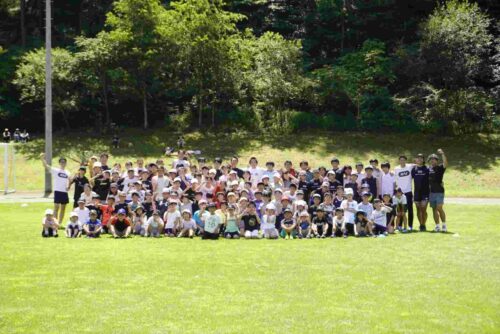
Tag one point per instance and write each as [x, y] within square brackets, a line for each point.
[467, 153]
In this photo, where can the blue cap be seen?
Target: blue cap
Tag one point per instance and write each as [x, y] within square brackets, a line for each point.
[121, 211]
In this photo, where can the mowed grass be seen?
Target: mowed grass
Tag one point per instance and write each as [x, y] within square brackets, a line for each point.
[474, 160]
[418, 283]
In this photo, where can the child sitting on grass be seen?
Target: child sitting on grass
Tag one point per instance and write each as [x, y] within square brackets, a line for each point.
[269, 223]
[154, 226]
[387, 201]
[74, 227]
[49, 225]
[400, 206]
[251, 222]
[92, 227]
[304, 225]
[138, 221]
[379, 217]
[212, 224]
[172, 219]
[232, 230]
[363, 224]
[288, 225]
[319, 226]
[187, 225]
[339, 225]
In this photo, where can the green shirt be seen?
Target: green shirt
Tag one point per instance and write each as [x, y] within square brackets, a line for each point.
[212, 222]
[232, 226]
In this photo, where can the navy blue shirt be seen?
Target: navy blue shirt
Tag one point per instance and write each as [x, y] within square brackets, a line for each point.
[420, 175]
[372, 183]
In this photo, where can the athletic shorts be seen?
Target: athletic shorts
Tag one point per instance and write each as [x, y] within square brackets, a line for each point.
[349, 228]
[283, 233]
[271, 233]
[436, 199]
[169, 231]
[397, 208]
[379, 229]
[209, 236]
[320, 229]
[61, 197]
[50, 232]
[421, 196]
[252, 234]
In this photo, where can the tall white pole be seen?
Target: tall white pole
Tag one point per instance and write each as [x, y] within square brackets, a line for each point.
[48, 94]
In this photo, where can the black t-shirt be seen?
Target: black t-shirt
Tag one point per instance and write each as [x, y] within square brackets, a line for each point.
[238, 171]
[250, 222]
[436, 178]
[123, 206]
[320, 221]
[314, 185]
[101, 187]
[339, 174]
[79, 183]
[372, 183]
[420, 175]
[121, 225]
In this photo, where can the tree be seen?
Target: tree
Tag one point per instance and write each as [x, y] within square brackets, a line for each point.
[30, 80]
[134, 29]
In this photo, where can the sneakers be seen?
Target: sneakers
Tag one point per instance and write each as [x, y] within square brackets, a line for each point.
[444, 229]
[437, 229]
[323, 236]
[404, 231]
[287, 237]
[422, 228]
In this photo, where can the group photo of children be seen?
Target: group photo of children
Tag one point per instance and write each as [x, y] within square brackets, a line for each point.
[196, 197]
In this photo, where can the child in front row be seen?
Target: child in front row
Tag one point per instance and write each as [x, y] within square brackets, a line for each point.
[399, 203]
[288, 226]
[339, 225]
[269, 223]
[379, 217]
[187, 225]
[232, 229]
[74, 227]
[363, 224]
[93, 226]
[319, 226]
[154, 225]
[304, 225]
[49, 224]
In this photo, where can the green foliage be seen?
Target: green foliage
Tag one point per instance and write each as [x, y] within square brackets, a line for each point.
[30, 80]
[9, 105]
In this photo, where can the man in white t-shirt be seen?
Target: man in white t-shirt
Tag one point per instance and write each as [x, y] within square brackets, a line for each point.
[160, 182]
[402, 174]
[60, 177]
[180, 161]
[255, 171]
[388, 180]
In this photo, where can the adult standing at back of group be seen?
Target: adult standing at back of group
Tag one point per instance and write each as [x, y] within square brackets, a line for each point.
[403, 181]
[436, 196]
[61, 185]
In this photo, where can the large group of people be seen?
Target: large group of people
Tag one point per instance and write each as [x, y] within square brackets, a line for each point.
[192, 197]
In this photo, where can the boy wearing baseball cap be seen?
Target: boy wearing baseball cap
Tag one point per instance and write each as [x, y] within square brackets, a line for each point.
[120, 225]
[288, 225]
[269, 223]
[92, 227]
[212, 224]
[49, 224]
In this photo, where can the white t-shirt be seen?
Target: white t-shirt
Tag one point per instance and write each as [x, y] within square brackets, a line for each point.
[83, 214]
[181, 162]
[268, 222]
[256, 174]
[170, 218]
[154, 223]
[212, 222]
[349, 216]
[403, 177]
[401, 200]
[380, 216]
[127, 181]
[61, 179]
[388, 183]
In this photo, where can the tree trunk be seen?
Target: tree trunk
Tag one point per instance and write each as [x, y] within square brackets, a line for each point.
[145, 107]
[200, 110]
[105, 98]
[23, 25]
[344, 11]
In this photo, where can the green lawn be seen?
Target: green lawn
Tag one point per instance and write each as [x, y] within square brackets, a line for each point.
[418, 283]
[474, 160]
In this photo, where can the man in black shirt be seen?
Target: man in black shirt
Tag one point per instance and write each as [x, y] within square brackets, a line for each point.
[436, 196]
[234, 166]
[101, 184]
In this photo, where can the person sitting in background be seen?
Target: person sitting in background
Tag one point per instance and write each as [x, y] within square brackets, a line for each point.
[17, 135]
[6, 136]
[74, 227]
[49, 224]
[25, 136]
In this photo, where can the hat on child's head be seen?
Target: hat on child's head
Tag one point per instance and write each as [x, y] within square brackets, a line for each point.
[49, 212]
[349, 191]
[186, 211]
[73, 214]
[287, 210]
[93, 212]
[121, 211]
[270, 207]
[304, 214]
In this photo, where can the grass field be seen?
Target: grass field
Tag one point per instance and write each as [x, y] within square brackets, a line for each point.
[474, 160]
[418, 283]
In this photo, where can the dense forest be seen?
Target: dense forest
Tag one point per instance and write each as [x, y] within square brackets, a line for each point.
[275, 65]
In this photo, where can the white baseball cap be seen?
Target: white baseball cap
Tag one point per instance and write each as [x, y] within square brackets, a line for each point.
[349, 191]
[270, 207]
[73, 214]
[49, 212]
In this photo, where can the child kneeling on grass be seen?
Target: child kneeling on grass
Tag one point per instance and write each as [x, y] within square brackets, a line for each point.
[120, 225]
[93, 226]
[49, 225]
[187, 225]
[212, 224]
[379, 217]
[139, 221]
[363, 224]
[232, 230]
[304, 225]
[154, 225]
[288, 225]
[74, 227]
[269, 223]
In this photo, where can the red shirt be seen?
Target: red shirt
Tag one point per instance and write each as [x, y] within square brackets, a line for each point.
[107, 213]
[120, 224]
